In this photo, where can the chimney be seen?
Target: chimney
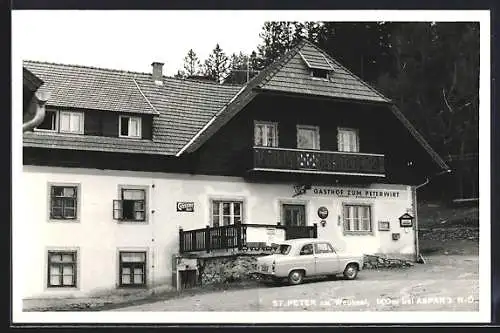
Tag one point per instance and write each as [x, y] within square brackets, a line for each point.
[157, 72]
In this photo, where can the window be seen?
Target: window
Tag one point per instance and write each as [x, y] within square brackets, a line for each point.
[130, 127]
[226, 212]
[63, 202]
[284, 249]
[132, 206]
[306, 250]
[49, 122]
[132, 269]
[71, 122]
[357, 218]
[307, 137]
[323, 248]
[266, 134]
[61, 269]
[320, 73]
[348, 140]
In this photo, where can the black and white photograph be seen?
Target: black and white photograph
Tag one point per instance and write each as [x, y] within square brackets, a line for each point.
[263, 166]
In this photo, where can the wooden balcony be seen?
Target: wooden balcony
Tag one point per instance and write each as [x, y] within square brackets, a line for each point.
[240, 236]
[317, 162]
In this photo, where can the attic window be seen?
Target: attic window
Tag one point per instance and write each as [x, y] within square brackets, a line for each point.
[130, 127]
[320, 73]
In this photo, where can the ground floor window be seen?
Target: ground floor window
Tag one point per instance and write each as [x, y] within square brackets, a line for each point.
[357, 218]
[132, 269]
[61, 269]
[226, 212]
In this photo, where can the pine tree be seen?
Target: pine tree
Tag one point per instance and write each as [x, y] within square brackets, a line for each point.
[192, 64]
[217, 65]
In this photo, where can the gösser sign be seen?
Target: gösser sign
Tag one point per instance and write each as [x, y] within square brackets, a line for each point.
[185, 206]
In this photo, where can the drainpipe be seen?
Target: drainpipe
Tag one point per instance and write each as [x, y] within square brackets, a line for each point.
[414, 199]
[38, 102]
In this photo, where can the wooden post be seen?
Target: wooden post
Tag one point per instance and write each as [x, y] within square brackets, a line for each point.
[315, 230]
[239, 239]
[181, 240]
[207, 238]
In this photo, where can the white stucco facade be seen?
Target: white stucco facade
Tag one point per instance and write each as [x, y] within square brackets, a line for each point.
[98, 238]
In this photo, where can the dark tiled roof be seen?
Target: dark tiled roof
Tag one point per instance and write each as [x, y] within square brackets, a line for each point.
[294, 77]
[90, 88]
[181, 107]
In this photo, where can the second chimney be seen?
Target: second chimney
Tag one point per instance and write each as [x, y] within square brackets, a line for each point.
[158, 72]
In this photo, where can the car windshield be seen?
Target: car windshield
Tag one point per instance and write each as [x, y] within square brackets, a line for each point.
[283, 249]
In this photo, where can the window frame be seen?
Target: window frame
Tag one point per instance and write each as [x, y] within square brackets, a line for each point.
[74, 264]
[328, 245]
[316, 135]
[82, 122]
[302, 248]
[132, 265]
[56, 123]
[322, 78]
[130, 117]
[231, 211]
[356, 131]
[121, 190]
[271, 124]
[371, 219]
[78, 204]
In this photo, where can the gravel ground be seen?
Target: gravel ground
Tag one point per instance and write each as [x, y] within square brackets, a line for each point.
[444, 283]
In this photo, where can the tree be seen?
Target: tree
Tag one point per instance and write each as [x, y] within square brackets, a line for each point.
[242, 68]
[217, 65]
[192, 64]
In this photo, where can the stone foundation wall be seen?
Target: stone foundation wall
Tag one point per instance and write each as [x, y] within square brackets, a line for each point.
[226, 269]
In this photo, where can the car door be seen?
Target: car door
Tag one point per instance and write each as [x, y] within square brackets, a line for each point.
[306, 259]
[326, 259]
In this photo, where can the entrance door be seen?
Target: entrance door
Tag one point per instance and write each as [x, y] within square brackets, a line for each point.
[294, 215]
[294, 220]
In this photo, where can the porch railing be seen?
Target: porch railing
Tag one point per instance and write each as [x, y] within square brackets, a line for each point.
[233, 236]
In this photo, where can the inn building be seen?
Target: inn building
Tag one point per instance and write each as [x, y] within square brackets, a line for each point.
[131, 173]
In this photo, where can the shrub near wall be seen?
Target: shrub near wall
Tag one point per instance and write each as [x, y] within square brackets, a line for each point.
[218, 270]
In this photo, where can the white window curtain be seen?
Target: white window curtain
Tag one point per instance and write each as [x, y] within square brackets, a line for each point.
[308, 137]
[71, 122]
[348, 140]
[266, 134]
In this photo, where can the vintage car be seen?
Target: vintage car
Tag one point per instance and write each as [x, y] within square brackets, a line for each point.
[298, 258]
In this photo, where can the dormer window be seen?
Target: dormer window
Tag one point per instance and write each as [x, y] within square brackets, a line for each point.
[319, 65]
[320, 73]
[130, 127]
[62, 122]
[49, 122]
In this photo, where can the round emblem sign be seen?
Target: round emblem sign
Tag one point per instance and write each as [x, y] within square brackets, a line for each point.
[323, 212]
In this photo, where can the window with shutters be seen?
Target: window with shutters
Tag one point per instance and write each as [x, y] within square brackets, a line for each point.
[266, 134]
[308, 137]
[226, 212]
[348, 140]
[130, 127]
[62, 269]
[132, 269]
[71, 122]
[357, 219]
[132, 204]
[64, 202]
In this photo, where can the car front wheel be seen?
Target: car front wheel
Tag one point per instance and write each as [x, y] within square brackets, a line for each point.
[351, 271]
[296, 277]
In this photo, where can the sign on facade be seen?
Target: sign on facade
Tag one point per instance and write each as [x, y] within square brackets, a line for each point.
[356, 193]
[185, 206]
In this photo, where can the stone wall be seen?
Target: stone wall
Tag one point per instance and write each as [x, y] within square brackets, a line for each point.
[226, 269]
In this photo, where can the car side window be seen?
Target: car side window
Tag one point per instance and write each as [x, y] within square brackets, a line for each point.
[323, 248]
[306, 250]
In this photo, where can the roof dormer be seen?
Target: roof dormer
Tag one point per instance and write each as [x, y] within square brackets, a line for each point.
[318, 64]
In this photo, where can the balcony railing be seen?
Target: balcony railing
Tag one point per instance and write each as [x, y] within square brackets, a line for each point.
[239, 236]
[317, 161]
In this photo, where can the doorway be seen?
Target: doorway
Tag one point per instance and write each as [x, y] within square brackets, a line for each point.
[294, 221]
